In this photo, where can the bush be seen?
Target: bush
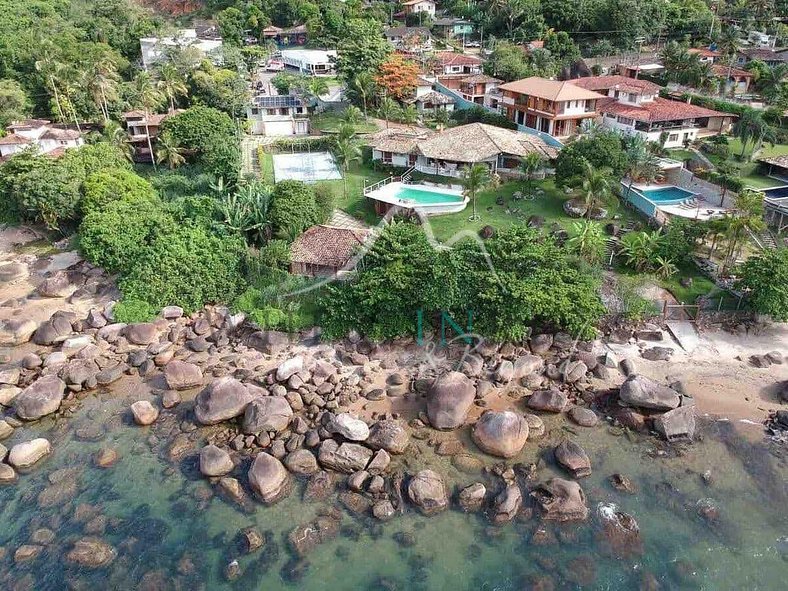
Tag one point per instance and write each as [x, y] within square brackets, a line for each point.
[201, 210]
[324, 199]
[101, 188]
[275, 255]
[264, 305]
[132, 310]
[293, 208]
[766, 277]
[481, 115]
[603, 150]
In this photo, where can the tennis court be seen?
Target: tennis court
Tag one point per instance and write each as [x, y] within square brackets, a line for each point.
[308, 167]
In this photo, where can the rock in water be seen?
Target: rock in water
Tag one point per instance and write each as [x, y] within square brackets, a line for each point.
[269, 478]
[223, 399]
[561, 500]
[620, 533]
[214, 461]
[267, 413]
[471, 498]
[301, 461]
[501, 434]
[349, 427]
[507, 504]
[548, 401]
[41, 398]
[677, 424]
[573, 458]
[24, 455]
[427, 491]
[644, 392]
[144, 413]
[347, 458]
[182, 376]
[449, 400]
[91, 553]
[585, 417]
[390, 435]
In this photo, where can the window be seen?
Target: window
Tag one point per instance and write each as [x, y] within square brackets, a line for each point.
[255, 110]
[633, 98]
[673, 137]
[626, 121]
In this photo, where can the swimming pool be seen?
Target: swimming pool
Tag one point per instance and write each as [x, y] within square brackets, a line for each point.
[425, 196]
[776, 192]
[665, 195]
[429, 200]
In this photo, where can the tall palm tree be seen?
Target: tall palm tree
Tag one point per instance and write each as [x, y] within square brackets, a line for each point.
[475, 178]
[595, 188]
[410, 115]
[314, 88]
[728, 45]
[530, 165]
[52, 70]
[441, 117]
[387, 109]
[751, 128]
[171, 84]
[772, 81]
[641, 163]
[101, 79]
[115, 135]
[364, 85]
[347, 151]
[168, 152]
[747, 216]
[146, 95]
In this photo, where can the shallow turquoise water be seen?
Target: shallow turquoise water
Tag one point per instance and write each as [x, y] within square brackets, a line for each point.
[666, 195]
[427, 197]
[158, 512]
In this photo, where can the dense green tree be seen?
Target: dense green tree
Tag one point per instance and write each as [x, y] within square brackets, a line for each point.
[14, 103]
[603, 150]
[765, 276]
[219, 88]
[293, 208]
[114, 184]
[507, 62]
[362, 49]
[231, 25]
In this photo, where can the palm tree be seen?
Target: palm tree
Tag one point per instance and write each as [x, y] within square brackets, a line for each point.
[168, 152]
[475, 178]
[101, 79]
[641, 163]
[772, 81]
[145, 94]
[441, 117]
[387, 109]
[595, 188]
[364, 85]
[115, 135]
[664, 267]
[728, 45]
[747, 217]
[51, 70]
[409, 115]
[352, 115]
[314, 88]
[347, 151]
[530, 165]
[170, 83]
[751, 128]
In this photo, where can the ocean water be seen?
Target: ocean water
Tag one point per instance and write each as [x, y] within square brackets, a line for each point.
[161, 517]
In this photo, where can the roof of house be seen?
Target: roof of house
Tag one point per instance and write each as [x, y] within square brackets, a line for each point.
[552, 90]
[28, 124]
[61, 134]
[704, 51]
[766, 54]
[436, 98]
[13, 140]
[660, 109]
[477, 141]
[422, 81]
[450, 58]
[622, 83]
[408, 31]
[479, 79]
[399, 140]
[414, 2]
[722, 70]
[780, 161]
[152, 118]
[326, 245]
[448, 21]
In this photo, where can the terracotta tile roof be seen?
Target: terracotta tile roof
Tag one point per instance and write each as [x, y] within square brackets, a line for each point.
[28, 123]
[412, 2]
[61, 134]
[449, 58]
[399, 141]
[13, 140]
[424, 82]
[766, 54]
[552, 90]
[704, 51]
[722, 71]
[659, 109]
[479, 79]
[326, 245]
[622, 83]
[781, 161]
[477, 141]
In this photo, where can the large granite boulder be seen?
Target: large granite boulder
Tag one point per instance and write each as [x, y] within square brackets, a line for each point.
[548, 401]
[471, 498]
[269, 478]
[289, 367]
[449, 400]
[526, 365]
[267, 413]
[269, 342]
[142, 333]
[144, 413]
[573, 458]
[55, 330]
[643, 392]
[16, 331]
[24, 455]
[214, 461]
[427, 491]
[349, 427]
[561, 500]
[390, 435]
[223, 399]
[677, 424]
[507, 504]
[347, 458]
[181, 375]
[301, 461]
[40, 398]
[91, 553]
[501, 434]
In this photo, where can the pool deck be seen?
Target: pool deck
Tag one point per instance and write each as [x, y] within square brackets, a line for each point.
[693, 207]
[388, 193]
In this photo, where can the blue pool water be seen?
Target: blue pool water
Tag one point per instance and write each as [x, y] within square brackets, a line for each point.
[776, 192]
[424, 196]
[666, 195]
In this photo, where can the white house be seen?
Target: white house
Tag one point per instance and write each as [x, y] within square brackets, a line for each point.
[39, 133]
[278, 116]
[315, 62]
[417, 6]
[154, 49]
[634, 107]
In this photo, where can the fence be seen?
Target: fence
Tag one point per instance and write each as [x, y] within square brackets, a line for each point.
[714, 310]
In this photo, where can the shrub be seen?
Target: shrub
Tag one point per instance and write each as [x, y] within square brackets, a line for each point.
[324, 199]
[101, 188]
[482, 115]
[603, 150]
[133, 310]
[766, 277]
[275, 255]
[293, 208]
[201, 210]
[264, 305]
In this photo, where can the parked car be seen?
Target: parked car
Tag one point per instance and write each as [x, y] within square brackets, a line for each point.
[274, 66]
[473, 44]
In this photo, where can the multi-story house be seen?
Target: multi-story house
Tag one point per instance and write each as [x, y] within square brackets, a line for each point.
[456, 65]
[410, 39]
[141, 127]
[480, 89]
[417, 6]
[634, 107]
[47, 139]
[549, 106]
[278, 115]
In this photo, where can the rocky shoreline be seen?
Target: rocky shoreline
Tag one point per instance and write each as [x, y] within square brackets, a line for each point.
[256, 411]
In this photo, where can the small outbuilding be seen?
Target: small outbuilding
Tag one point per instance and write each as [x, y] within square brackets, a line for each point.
[325, 251]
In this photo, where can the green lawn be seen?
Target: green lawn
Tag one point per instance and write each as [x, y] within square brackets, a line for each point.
[330, 122]
[767, 150]
[682, 155]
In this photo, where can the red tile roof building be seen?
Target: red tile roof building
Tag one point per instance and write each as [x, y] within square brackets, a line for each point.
[47, 138]
[324, 251]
